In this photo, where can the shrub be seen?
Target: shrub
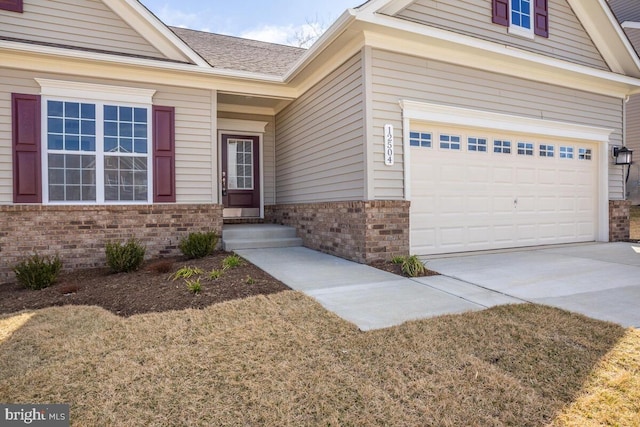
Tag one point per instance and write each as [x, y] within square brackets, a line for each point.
[412, 266]
[125, 257]
[398, 259]
[199, 245]
[194, 285]
[186, 273]
[215, 274]
[232, 261]
[38, 272]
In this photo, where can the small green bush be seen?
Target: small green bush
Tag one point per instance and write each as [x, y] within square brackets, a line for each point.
[232, 261]
[412, 266]
[398, 259]
[38, 272]
[215, 274]
[194, 286]
[186, 273]
[125, 257]
[199, 245]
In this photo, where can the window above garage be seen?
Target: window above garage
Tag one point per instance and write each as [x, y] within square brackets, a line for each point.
[522, 17]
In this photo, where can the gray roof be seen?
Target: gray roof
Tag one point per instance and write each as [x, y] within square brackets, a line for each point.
[234, 53]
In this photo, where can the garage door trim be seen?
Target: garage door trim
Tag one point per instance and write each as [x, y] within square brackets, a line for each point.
[436, 114]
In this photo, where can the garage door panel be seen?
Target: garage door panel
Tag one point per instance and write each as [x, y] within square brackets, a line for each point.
[463, 201]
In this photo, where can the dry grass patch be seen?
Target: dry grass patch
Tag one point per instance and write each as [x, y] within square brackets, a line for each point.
[283, 360]
[612, 394]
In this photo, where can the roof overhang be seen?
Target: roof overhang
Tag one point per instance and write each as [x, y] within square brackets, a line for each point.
[47, 59]
[365, 26]
[154, 31]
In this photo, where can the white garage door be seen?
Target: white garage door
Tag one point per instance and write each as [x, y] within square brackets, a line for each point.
[478, 190]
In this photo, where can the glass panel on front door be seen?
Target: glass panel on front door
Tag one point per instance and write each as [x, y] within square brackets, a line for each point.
[240, 164]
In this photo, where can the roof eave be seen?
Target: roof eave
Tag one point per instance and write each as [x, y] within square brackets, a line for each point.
[155, 31]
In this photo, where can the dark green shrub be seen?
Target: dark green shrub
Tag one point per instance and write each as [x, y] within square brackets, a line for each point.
[38, 272]
[125, 257]
[199, 245]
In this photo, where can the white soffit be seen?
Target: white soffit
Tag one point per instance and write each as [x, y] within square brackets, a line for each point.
[608, 36]
[457, 116]
[90, 91]
[237, 125]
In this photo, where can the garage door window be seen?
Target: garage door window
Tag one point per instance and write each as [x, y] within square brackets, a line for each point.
[525, 148]
[566, 152]
[501, 146]
[546, 150]
[477, 144]
[420, 139]
[584, 154]
[449, 142]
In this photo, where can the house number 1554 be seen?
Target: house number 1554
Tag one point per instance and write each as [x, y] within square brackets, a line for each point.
[388, 145]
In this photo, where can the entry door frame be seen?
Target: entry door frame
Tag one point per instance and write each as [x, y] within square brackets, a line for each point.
[247, 128]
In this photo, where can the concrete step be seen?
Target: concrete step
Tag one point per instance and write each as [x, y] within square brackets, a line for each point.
[258, 236]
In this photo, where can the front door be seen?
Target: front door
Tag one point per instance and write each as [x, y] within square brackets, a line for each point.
[240, 176]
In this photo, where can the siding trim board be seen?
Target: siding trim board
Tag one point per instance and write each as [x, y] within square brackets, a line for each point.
[416, 39]
[423, 112]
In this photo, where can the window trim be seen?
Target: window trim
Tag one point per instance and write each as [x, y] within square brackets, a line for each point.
[519, 30]
[100, 95]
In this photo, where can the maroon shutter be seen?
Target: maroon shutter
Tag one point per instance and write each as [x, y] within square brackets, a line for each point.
[11, 5]
[27, 181]
[164, 153]
[501, 12]
[541, 18]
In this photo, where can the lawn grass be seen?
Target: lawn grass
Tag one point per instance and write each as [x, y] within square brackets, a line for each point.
[634, 232]
[283, 360]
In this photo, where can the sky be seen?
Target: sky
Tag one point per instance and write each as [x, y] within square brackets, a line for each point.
[275, 21]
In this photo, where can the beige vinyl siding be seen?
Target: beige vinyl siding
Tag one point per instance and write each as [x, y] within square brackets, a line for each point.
[319, 140]
[567, 40]
[268, 151]
[396, 77]
[632, 139]
[12, 82]
[79, 23]
[196, 155]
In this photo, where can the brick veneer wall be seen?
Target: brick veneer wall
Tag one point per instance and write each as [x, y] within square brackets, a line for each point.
[78, 234]
[619, 220]
[362, 231]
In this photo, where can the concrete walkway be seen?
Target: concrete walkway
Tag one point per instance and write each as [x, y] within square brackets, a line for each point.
[600, 280]
[366, 296]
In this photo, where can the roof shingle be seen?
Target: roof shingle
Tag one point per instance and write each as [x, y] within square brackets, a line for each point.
[234, 53]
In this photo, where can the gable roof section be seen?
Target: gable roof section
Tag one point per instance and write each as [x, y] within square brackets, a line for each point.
[595, 16]
[235, 53]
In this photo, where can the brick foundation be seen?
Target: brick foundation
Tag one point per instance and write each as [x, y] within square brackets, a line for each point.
[360, 231]
[78, 234]
[619, 216]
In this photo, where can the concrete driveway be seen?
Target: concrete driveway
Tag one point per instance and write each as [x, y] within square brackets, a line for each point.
[600, 280]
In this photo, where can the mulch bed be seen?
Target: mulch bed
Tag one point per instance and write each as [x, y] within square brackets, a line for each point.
[397, 269]
[149, 290]
[143, 291]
